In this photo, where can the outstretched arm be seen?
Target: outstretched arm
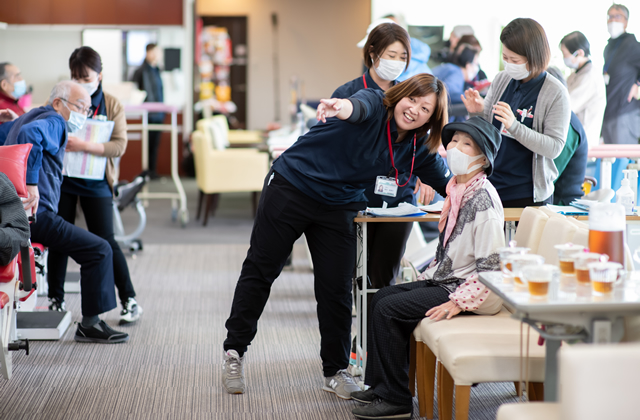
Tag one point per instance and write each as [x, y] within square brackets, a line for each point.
[340, 108]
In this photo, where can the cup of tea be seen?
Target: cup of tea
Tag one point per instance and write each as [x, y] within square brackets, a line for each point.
[604, 276]
[566, 252]
[581, 263]
[505, 253]
[538, 278]
[515, 263]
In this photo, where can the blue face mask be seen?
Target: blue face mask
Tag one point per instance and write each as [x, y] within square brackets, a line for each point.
[76, 120]
[19, 89]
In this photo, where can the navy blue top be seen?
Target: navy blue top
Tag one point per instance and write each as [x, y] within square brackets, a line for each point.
[336, 161]
[513, 166]
[568, 186]
[90, 187]
[46, 130]
[404, 194]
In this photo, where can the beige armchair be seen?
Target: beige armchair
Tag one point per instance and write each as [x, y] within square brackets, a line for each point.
[229, 170]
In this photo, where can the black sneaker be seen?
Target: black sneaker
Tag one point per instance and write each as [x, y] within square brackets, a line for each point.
[364, 397]
[382, 409]
[57, 304]
[99, 333]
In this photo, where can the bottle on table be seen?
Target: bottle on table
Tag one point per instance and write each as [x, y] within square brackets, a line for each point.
[607, 225]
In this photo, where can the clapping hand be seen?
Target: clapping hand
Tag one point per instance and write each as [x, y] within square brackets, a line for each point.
[503, 113]
[7, 115]
[472, 101]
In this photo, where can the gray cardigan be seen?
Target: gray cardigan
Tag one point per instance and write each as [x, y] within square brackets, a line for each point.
[550, 127]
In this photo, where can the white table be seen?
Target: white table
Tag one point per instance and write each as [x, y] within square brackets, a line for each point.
[570, 312]
[143, 111]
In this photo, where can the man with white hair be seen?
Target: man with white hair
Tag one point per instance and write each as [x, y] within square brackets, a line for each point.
[47, 128]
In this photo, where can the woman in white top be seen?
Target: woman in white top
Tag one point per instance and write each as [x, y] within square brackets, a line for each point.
[586, 85]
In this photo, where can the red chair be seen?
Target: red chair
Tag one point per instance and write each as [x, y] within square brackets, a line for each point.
[16, 284]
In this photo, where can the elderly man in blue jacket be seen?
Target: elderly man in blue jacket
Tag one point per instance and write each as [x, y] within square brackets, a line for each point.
[47, 128]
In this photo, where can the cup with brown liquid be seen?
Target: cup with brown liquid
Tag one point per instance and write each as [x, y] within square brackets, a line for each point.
[581, 263]
[604, 276]
[505, 253]
[538, 278]
[515, 263]
[566, 252]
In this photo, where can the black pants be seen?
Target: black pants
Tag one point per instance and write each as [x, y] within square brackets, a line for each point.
[154, 141]
[397, 310]
[98, 213]
[386, 243]
[284, 214]
[90, 251]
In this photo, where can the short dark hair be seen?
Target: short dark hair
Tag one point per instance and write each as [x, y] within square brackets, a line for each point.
[421, 85]
[3, 70]
[527, 38]
[151, 46]
[471, 40]
[620, 7]
[84, 58]
[576, 41]
[466, 55]
[381, 37]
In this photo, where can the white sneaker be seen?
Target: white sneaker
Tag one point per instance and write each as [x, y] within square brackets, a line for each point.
[233, 372]
[341, 384]
[131, 311]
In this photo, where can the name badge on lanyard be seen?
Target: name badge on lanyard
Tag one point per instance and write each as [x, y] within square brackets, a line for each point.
[389, 186]
[606, 78]
[386, 186]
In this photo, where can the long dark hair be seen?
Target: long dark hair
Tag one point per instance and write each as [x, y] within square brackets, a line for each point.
[83, 58]
[417, 86]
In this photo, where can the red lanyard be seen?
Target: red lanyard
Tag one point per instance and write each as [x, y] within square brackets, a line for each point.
[391, 153]
[95, 113]
[364, 81]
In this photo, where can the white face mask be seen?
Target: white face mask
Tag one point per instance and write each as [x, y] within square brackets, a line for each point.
[568, 61]
[459, 161]
[475, 68]
[517, 71]
[390, 69]
[615, 29]
[90, 87]
[76, 120]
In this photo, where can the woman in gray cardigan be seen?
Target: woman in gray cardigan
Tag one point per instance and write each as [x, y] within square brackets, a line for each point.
[532, 111]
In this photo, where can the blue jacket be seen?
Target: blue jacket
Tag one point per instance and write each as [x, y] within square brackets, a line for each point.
[420, 53]
[46, 130]
[335, 162]
[451, 75]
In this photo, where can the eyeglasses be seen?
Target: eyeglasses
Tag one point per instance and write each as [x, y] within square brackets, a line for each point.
[616, 17]
[82, 110]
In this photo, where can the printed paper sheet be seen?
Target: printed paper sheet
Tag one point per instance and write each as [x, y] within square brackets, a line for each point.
[85, 165]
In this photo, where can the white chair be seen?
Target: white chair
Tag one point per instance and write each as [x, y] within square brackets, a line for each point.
[581, 237]
[476, 334]
[237, 137]
[557, 230]
[230, 170]
[530, 228]
[595, 382]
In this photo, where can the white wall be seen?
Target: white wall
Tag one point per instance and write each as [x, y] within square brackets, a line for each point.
[557, 17]
[41, 53]
[316, 41]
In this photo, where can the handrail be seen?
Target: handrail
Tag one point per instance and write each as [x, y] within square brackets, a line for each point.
[615, 151]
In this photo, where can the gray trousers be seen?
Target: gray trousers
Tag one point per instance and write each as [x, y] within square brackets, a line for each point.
[624, 129]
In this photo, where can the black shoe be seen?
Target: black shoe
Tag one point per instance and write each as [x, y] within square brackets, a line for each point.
[100, 333]
[382, 409]
[364, 397]
[57, 304]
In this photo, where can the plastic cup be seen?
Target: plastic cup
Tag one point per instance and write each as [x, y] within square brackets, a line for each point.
[538, 278]
[566, 253]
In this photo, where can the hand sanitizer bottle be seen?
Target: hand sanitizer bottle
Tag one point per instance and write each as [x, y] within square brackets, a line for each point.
[624, 195]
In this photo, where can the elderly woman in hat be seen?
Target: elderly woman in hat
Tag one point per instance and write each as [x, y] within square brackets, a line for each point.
[471, 230]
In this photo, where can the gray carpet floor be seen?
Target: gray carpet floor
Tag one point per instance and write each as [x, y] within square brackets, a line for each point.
[170, 368]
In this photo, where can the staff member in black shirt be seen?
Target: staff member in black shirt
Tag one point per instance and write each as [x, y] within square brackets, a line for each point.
[317, 187]
[388, 45]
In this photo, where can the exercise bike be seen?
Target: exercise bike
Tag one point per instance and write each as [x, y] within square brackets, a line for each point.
[126, 195]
